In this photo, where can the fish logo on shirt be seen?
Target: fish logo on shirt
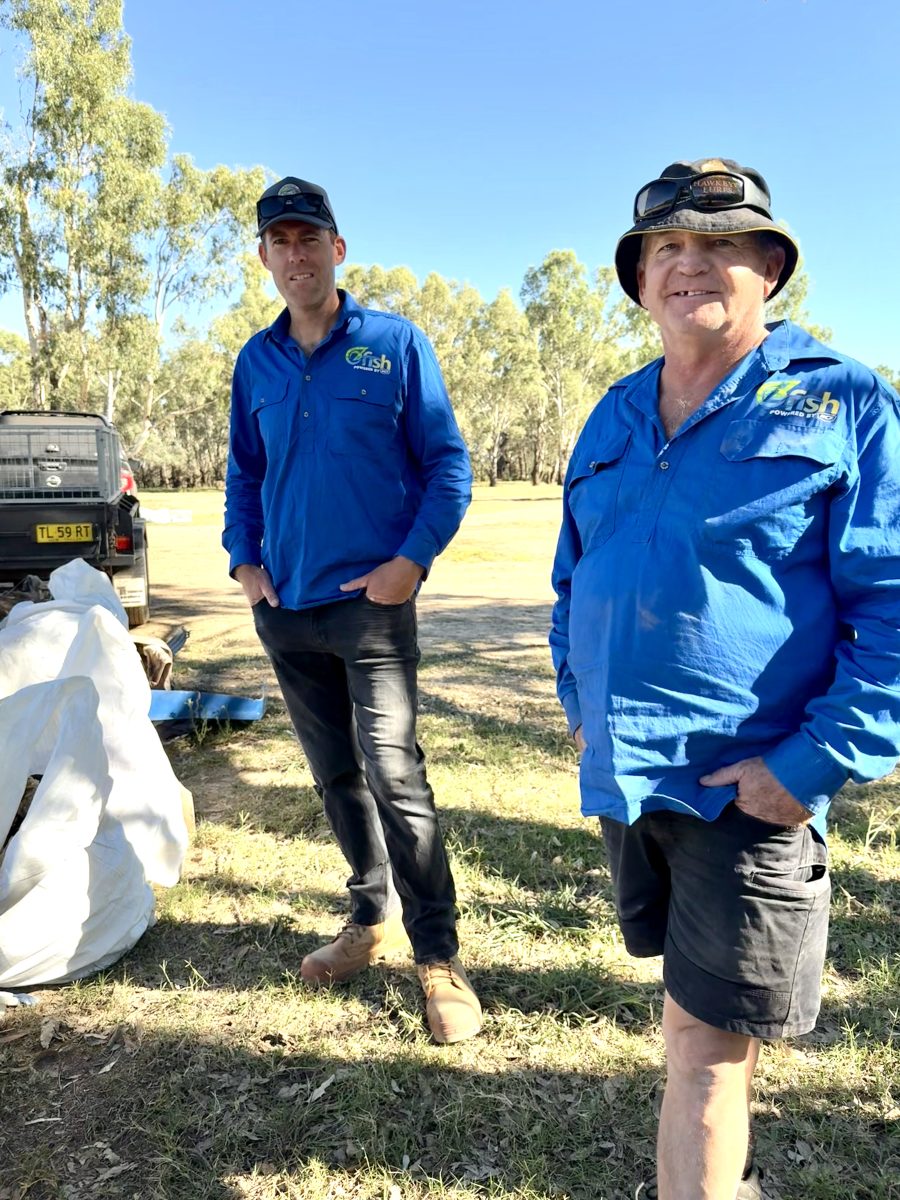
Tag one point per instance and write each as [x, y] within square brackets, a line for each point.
[361, 358]
[790, 399]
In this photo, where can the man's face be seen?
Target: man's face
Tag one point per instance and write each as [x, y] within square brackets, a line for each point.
[302, 259]
[707, 286]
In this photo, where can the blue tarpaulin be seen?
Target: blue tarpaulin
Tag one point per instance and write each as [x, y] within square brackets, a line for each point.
[204, 706]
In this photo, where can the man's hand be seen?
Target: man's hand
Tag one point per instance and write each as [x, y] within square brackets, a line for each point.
[256, 584]
[391, 583]
[759, 793]
[578, 738]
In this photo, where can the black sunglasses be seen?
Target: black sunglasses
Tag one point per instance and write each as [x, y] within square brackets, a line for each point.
[713, 189]
[296, 203]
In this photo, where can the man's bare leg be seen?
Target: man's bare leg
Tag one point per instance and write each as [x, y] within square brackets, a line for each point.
[705, 1121]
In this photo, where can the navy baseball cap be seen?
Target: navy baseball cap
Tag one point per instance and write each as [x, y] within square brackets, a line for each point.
[293, 199]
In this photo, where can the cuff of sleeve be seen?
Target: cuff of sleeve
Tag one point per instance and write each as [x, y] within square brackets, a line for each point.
[807, 771]
[246, 553]
[420, 550]
[572, 710]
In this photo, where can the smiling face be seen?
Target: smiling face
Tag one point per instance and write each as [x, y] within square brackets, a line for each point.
[708, 287]
[302, 259]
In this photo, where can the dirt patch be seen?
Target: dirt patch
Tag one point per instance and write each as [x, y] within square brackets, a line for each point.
[479, 598]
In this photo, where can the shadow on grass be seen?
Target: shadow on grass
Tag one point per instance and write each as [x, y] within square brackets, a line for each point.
[255, 957]
[204, 1119]
[503, 742]
[193, 1118]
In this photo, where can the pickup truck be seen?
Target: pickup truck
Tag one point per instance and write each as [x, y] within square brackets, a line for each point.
[66, 491]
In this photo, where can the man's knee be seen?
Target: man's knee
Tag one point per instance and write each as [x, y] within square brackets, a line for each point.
[694, 1048]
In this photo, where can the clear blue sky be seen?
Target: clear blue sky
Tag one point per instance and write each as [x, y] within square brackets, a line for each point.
[471, 137]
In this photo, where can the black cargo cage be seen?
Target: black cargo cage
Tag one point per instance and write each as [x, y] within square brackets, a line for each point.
[43, 459]
[63, 496]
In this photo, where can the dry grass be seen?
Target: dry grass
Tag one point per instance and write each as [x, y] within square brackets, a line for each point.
[199, 1068]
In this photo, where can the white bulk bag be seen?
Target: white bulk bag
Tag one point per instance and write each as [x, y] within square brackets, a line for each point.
[107, 816]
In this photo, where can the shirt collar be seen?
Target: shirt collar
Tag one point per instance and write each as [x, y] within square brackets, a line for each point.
[349, 318]
[788, 342]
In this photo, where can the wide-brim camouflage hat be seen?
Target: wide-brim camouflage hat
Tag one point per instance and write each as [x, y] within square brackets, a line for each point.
[709, 196]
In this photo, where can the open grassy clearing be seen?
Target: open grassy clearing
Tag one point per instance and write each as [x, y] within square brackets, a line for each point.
[198, 1067]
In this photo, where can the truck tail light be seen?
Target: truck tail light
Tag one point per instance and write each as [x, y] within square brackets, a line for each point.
[124, 545]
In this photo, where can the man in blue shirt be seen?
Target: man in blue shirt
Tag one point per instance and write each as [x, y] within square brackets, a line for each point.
[347, 476]
[726, 642]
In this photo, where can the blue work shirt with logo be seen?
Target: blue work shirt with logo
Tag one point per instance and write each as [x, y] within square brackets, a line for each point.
[733, 590]
[341, 459]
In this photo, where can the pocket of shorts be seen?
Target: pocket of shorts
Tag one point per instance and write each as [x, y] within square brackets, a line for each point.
[801, 874]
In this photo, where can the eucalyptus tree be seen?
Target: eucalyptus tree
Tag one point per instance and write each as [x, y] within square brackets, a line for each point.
[502, 361]
[101, 236]
[79, 182]
[578, 323]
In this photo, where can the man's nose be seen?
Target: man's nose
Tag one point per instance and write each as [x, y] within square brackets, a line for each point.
[693, 258]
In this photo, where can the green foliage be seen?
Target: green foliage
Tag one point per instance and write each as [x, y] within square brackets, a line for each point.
[14, 370]
[106, 240]
[503, 372]
[98, 233]
[579, 326]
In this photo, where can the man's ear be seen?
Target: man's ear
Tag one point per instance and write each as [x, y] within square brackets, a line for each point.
[262, 252]
[774, 266]
[340, 250]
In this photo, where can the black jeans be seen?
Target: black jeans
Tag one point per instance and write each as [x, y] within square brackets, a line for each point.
[348, 676]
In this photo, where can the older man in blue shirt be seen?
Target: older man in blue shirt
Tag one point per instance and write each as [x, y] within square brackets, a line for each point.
[726, 642]
[347, 476]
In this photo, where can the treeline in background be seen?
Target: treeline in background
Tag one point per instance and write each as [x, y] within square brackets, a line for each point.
[110, 241]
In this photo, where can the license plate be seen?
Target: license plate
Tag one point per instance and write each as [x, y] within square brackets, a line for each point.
[64, 533]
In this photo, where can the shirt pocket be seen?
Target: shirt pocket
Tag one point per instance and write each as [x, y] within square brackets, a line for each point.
[770, 484]
[593, 488]
[267, 405]
[365, 422]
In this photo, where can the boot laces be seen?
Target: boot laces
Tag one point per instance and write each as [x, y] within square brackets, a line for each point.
[350, 932]
[441, 972]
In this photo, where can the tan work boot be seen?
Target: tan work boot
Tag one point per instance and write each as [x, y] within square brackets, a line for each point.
[355, 948]
[451, 1005]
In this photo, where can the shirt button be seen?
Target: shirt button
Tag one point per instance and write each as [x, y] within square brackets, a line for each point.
[591, 466]
[664, 466]
[307, 378]
[306, 414]
[363, 392]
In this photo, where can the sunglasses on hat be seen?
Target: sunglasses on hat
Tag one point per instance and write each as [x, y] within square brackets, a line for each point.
[708, 191]
[295, 204]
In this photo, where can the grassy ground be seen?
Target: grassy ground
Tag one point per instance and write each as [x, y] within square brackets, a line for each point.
[198, 1067]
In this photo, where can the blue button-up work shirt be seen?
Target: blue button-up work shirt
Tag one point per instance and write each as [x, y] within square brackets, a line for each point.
[342, 459]
[733, 590]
